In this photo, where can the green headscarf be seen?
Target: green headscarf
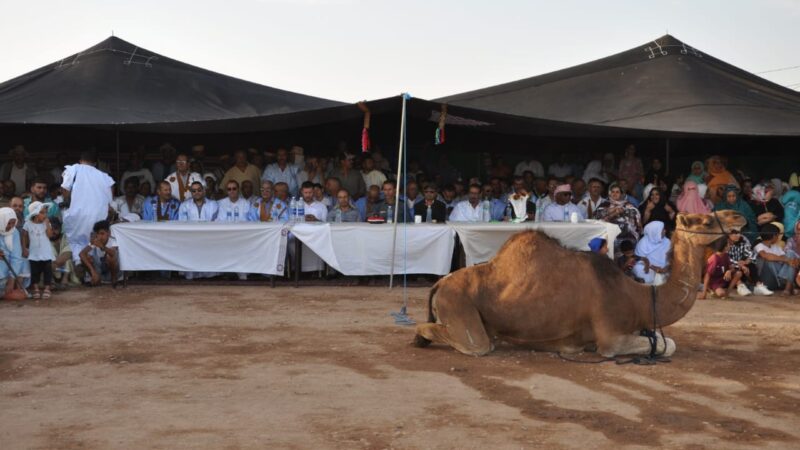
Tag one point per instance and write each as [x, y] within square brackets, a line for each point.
[699, 179]
[751, 229]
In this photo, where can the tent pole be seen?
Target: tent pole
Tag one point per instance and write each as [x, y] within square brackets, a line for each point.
[666, 160]
[397, 190]
[117, 145]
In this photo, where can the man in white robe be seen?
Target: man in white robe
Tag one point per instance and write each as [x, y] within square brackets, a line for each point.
[198, 208]
[182, 178]
[89, 192]
[233, 208]
[469, 210]
[562, 209]
[314, 211]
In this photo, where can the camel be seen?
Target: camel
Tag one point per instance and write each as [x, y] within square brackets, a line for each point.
[537, 294]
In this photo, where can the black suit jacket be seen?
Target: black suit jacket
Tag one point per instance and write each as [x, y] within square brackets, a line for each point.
[438, 211]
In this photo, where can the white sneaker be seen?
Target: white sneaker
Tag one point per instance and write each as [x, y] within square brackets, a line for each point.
[760, 289]
[742, 290]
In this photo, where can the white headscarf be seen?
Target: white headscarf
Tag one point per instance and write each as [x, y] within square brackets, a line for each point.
[653, 245]
[6, 215]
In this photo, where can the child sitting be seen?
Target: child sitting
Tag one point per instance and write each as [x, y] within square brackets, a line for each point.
[36, 234]
[99, 258]
[627, 259]
[721, 274]
[776, 267]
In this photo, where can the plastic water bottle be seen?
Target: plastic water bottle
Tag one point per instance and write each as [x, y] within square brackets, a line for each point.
[429, 215]
[235, 213]
[292, 210]
[389, 214]
[487, 211]
[301, 210]
[338, 216]
[507, 212]
[228, 215]
[566, 214]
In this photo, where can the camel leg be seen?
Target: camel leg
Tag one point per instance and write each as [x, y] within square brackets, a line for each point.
[461, 327]
[633, 344]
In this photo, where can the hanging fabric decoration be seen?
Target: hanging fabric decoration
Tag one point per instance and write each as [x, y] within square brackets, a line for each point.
[439, 138]
[365, 144]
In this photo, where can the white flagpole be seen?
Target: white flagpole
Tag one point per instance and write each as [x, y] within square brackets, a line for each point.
[397, 190]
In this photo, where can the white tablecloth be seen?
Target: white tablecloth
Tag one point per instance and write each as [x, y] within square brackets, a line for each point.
[366, 249]
[250, 247]
[481, 240]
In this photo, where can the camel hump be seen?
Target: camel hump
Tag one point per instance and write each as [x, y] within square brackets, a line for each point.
[526, 243]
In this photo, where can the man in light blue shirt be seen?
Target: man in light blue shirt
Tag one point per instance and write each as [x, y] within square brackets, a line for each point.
[233, 208]
[561, 209]
[198, 208]
[282, 171]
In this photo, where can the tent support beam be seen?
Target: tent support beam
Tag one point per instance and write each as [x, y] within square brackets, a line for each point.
[401, 147]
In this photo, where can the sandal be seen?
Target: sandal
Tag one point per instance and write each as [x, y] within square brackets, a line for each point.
[46, 294]
[36, 295]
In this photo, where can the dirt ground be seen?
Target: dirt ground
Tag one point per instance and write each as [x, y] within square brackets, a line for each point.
[326, 367]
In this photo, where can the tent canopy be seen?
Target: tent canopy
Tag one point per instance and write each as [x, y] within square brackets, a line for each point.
[663, 85]
[118, 83]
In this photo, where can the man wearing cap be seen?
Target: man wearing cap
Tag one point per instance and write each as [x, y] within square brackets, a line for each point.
[282, 171]
[267, 208]
[561, 210]
[197, 208]
[17, 170]
[162, 207]
[88, 192]
[180, 180]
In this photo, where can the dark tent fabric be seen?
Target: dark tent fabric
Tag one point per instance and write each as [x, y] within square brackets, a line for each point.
[663, 85]
[116, 82]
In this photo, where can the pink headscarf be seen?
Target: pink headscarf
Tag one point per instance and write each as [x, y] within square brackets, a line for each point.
[690, 201]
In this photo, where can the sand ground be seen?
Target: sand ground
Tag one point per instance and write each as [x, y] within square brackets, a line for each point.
[326, 367]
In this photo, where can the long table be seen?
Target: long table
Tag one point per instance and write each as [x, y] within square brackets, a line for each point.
[249, 247]
[350, 248]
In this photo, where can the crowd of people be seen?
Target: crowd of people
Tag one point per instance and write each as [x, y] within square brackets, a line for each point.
[56, 223]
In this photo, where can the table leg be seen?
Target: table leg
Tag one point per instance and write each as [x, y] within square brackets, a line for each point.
[298, 261]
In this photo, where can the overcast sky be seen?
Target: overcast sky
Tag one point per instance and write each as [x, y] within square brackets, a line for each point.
[351, 49]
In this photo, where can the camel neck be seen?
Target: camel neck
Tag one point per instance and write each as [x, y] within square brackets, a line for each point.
[677, 296]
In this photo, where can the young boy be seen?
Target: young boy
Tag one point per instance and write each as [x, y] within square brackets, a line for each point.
[100, 258]
[721, 274]
[627, 259]
[36, 234]
[775, 266]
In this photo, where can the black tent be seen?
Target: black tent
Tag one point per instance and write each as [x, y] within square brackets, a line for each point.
[665, 86]
[116, 83]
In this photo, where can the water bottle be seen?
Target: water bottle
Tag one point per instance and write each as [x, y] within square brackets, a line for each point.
[228, 215]
[235, 213]
[292, 210]
[338, 216]
[429, 215]
[389, 214]
[301, 210]
[507, 212]
[566, 213]
[487, 211]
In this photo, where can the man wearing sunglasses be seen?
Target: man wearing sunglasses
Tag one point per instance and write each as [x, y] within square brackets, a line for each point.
[198, 208]
[181, 180]
[233, 208]
[431, 209]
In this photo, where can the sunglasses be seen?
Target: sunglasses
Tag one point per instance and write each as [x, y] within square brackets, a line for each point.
[195, 191]
[734, 232]
[233, 189]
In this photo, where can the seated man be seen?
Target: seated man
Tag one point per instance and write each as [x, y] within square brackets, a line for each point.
[198, 208]
[314, 211]
[268, 208]
[776, 268]
[100, 258]
[431, 209]
[469, 210]
[368, 205]
[282, 192]
[520, 208]
[247, 192]
[130, 203]
[344, 211]
[387, 208]
[161, 207]
[561, 210]
[233, 208]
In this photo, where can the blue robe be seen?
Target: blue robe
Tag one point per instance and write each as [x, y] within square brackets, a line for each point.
[169, 209]
[279, 211]
[14, 257]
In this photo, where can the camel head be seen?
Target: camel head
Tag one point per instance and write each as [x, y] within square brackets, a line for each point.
[703, 229]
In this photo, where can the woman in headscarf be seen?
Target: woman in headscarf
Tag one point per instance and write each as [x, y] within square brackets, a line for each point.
[793, 243]
[11, 250]
[616, 209]
[731, 201]
[698, 173]
[690, 201]
[766, 207]
[718, 177]
[657, 208]
[791, 211]
[654, 247]
[656, 173]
